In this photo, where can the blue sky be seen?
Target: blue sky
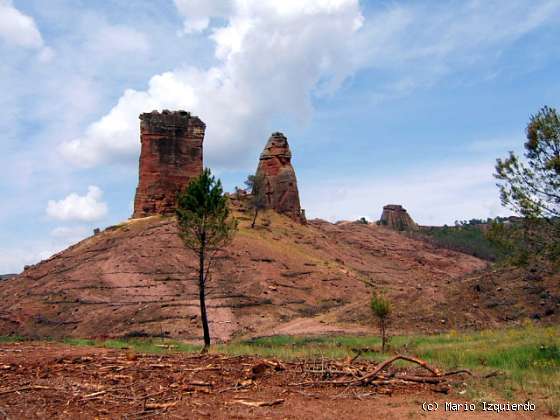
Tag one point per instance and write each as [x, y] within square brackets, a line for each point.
[405, 102]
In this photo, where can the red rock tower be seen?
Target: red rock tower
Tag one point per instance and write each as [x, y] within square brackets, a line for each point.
[171, 156]
[396, 217]
[280, 178]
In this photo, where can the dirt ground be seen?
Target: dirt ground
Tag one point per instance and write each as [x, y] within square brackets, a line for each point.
[48, 380]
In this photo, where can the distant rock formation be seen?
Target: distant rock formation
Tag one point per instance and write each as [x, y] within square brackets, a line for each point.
[6, 276]
[397, 218]
[280, 178]
[171, 156]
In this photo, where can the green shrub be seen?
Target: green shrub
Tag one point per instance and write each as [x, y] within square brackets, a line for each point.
[381, 308]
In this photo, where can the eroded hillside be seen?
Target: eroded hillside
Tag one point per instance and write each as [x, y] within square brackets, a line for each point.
[137, 278]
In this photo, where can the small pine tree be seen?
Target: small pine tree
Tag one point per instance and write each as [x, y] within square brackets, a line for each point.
[381, 308]
[257, 200]
[205, 226]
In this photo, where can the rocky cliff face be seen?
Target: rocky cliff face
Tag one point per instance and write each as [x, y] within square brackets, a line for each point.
[280, 178]
[396, 217]
[171, 155]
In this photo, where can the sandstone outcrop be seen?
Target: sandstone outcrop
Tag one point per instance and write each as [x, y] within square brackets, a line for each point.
[171, 156]
[396, 217]
[279, 178]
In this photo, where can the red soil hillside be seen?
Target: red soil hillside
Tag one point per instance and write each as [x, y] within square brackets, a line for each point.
[137, 278]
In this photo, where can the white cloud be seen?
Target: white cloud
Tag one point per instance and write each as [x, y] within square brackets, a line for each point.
[268, 66]
[432, 196]
[274, 56]
[73, 233]
[75, 207]
[116, 135]
[46, 54]
[17, 28]
[115, 40]
[197, 13]
[13, 259]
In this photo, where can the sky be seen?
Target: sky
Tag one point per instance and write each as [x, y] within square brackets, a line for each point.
[404, 102]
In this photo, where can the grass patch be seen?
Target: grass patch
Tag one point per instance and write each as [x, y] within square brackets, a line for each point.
[527, 358]
[11, 338]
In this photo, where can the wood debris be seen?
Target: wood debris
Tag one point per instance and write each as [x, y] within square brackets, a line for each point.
[107, 383]
[259, 403]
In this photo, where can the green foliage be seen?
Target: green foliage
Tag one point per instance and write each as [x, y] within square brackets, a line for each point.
[363, 221]
[468, 237]
[203, 214]
[532, 189]
[381, 308]
[527, 241]
[257, 200]
[11, 338]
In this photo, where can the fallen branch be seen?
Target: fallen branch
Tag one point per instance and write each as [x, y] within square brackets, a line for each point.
[198, 383]
[160, 406]
[368, 377]
[457, 372]
[358, 354]
[259, 403]
[491, 374]
[95, 394]
[202, 369]
[422, 379]
[24, 388]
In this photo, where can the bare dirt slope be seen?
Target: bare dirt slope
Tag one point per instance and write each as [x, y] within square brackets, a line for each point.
[137, 279]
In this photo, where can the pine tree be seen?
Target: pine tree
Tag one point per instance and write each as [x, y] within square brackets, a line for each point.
[206, 227]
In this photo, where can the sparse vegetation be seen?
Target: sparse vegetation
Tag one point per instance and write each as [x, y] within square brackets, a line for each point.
[257, 198]
[205, 228]
[381, 308]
